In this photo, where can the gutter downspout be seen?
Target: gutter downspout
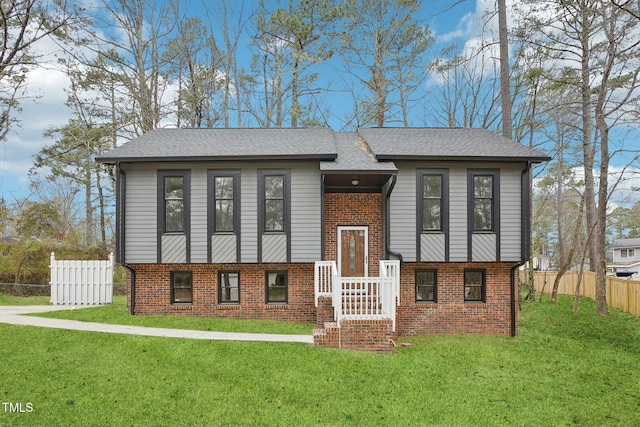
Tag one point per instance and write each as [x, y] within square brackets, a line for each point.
[387, 213]
[525, 213]
[120, 238]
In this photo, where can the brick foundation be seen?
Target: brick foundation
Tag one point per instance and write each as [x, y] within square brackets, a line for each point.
[153, 291]
[451, 314]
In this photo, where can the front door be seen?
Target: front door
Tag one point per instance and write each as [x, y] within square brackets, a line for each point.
[353, 255]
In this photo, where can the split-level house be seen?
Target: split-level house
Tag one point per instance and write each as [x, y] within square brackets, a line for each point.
[626, 258]
[372, 234]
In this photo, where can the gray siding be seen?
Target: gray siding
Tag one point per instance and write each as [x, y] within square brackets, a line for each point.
[223, 248]
[458, 213]
[483, 247]
[510, 213]
[248, 214]
[274, 248]
[402, 215]
[432, 247]
[141, 215]
[174, 248]
[199, 215]
[306, 213]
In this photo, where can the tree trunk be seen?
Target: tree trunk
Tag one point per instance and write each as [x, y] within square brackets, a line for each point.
[505, 92]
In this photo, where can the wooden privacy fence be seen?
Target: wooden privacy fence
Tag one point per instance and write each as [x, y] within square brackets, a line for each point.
[81, 282]
[623, 294]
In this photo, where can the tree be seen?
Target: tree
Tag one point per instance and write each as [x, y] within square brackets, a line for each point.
[24, 24]
[297, 37]
[592, 42]
[505, 92]
[379, 40]
[194, 62]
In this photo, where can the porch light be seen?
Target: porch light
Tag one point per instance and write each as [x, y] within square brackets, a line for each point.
[355, 181]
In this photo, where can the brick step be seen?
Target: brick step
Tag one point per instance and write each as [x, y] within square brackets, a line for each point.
[367, 335]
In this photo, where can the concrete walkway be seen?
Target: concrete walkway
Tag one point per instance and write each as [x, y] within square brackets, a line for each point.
[14, 315]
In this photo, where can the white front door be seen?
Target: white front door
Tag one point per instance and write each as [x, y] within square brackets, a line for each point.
[353, 251]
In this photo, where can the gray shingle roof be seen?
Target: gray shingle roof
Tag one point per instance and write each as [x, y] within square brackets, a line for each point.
[226, 144]
[445, 143]
[367, 150]
[626, 243]
[354, 155]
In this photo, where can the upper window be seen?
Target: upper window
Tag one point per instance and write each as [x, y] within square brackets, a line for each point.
[483, 200]
[432, 202]
[229, 287]
[482, 203]
[627, 253]
[426, 286]
[274, 200]
[276, 286]
[174, 204]
[474, 285]
[181, 287]
[224, 187]
[173, 201]
[274, 203]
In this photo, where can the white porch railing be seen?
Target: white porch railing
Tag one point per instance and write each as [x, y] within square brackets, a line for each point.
[81, 282]
[360, 298]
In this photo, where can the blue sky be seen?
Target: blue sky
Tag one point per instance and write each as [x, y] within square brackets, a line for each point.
[461, 24]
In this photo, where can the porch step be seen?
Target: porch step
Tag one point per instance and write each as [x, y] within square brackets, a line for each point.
[367, 335]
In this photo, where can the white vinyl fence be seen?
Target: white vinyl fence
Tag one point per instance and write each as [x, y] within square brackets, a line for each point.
[81, 282]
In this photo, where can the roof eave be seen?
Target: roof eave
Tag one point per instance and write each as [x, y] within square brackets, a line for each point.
[201, 159]
[391, 157]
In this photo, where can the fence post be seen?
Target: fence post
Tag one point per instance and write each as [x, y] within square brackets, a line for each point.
[53, 281]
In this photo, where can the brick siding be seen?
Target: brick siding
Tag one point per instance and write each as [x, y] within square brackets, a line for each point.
[451, 314]
[153, 291]
[354, 209]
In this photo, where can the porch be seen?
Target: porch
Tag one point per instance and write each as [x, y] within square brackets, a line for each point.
[356, 312]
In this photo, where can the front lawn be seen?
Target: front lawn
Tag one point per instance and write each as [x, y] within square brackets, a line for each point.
[562, 369]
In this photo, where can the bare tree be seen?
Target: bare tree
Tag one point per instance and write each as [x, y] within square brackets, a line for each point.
[23, 24]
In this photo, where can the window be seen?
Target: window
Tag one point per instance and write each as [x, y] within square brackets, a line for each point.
[474, 285]
[181, 287]
[229, 287]
[484, 203]
[174, 204]
[274, 203]
[173, 201]
[224, 201]
[276, 286]
[426, 286]
[432, 202]
[627, 253]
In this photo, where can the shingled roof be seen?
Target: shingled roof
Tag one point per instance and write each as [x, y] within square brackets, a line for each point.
[161, 145]
[371, 149]
[354, 155]
[445, 144]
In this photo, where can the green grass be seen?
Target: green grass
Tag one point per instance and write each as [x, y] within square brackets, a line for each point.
[12, 300]
[117, 314]
[562, 369]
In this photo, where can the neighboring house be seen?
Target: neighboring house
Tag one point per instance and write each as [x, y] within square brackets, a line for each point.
[626, 258]
[296, 224]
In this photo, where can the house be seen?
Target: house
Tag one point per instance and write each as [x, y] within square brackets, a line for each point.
[626, 258]
[372, 234]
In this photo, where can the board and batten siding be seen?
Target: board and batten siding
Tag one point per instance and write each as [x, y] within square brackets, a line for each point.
[141, 215]
[403, 227]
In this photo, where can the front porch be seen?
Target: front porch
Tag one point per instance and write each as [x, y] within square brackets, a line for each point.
[356, 312]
